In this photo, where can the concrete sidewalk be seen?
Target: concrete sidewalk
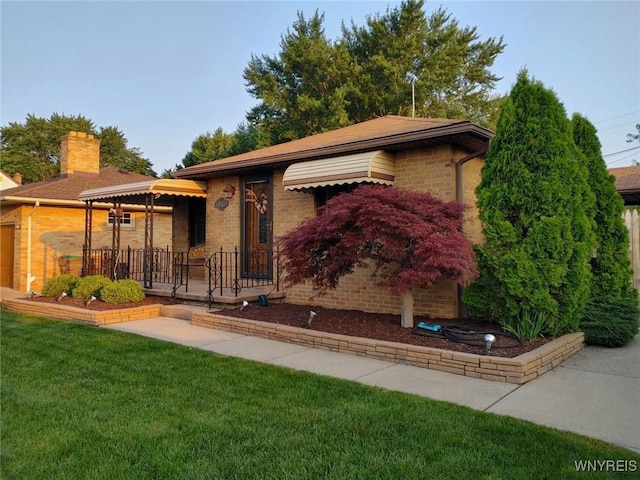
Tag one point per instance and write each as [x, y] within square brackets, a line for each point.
[595, 393]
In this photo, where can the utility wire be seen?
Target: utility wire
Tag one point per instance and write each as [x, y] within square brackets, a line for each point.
[619, 116]
[621, 151]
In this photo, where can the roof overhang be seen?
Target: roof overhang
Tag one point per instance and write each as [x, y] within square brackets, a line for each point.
[163, 186]
[375, 167]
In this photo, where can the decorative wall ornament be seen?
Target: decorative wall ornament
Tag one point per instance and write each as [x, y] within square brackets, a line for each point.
[221, 203]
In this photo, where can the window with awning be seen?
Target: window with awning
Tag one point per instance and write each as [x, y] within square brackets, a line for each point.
[368, 167]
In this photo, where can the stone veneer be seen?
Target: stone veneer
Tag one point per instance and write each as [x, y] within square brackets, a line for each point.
[90, 317]
[518, 370]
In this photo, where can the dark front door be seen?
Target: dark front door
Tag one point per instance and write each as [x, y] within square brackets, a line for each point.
[257, 227]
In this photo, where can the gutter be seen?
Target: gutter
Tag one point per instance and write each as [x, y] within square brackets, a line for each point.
[30, 277]
[459, 165]
[74, 203]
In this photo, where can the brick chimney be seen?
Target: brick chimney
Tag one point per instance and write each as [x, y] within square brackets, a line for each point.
[79, 154]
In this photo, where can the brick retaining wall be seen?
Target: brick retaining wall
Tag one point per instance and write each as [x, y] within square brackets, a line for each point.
[516, 370]
[90, 317]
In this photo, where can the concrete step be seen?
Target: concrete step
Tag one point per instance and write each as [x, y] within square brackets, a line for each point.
[182, 311]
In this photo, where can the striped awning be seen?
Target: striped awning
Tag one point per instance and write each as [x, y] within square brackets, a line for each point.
[375, 167]
[163, 186]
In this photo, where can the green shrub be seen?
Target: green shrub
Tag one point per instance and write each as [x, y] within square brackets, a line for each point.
[62, 283]
[610, 322]
[89, 286]
[122, 291]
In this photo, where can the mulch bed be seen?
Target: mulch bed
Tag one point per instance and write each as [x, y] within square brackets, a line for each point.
[98, 305]
[346, 322]
[386, 327]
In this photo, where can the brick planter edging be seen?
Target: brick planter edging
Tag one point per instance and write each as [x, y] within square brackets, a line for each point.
[90, 317]
[518, 370]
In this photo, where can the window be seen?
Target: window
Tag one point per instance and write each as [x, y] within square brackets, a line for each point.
[324, 194]
[126, 219]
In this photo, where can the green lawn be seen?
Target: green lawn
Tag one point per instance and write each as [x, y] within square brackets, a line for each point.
[87, 403]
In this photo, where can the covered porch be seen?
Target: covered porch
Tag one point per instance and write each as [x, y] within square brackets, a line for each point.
[191, 274]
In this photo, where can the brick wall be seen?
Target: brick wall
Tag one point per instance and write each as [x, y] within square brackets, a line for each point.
[428, 170]
[58, 231]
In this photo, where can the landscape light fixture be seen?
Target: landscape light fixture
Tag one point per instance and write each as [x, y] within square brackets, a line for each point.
[92, 299]
[244, 305]
[312, 315]
[62, 295]
[490, 339]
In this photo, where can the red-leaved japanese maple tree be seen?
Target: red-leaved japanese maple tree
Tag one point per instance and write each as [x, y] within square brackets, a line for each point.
[413, 238]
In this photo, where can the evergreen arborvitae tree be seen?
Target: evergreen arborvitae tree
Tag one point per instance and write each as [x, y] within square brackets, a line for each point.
[611, 268]
[536, 209]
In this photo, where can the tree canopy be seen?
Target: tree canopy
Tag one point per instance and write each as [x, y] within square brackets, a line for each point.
[315, 85]
[414, 239]
[33, 147]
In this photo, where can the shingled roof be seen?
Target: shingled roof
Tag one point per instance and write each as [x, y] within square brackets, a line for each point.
[628, 183]
[69, 188]
[390, 133]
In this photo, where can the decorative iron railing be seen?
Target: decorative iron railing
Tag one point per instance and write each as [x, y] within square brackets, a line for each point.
[225, 272]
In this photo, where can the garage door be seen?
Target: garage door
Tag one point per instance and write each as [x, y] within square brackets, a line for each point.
[6, 255]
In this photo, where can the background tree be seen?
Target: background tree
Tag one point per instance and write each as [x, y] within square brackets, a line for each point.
[413, 238]
[315, 85]
[303, 90]
[207, 147]
[536, 209]
[612, 274]
[33, 147]
[115, 152]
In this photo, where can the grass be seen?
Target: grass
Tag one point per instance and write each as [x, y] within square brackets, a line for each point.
[87, 403]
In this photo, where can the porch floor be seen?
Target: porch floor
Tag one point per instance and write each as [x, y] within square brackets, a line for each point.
[198, 288]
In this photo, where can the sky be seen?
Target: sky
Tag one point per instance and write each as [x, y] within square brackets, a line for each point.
[166, 72]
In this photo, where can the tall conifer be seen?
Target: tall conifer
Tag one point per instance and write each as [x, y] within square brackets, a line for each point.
[536, 209]
[610, 265]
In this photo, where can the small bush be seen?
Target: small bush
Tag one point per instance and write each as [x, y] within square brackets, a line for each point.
[62, 283]
[122, 291]
[89, 286]
[527, 325]
[610, 322]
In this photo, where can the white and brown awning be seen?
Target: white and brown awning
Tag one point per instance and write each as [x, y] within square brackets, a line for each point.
[163, 186]
[374, 167]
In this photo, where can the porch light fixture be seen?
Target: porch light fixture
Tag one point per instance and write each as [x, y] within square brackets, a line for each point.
[229, 191]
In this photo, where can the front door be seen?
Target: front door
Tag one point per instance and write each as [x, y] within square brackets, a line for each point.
[257, 227]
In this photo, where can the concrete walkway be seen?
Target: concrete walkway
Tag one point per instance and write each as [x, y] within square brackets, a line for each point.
[594, 393]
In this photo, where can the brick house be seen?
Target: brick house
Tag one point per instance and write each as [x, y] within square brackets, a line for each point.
[43, 223]
[255, 197]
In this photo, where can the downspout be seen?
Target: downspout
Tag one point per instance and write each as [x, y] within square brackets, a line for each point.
[462, 310]
[30, 277]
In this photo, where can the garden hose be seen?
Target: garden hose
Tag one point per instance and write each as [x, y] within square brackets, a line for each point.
[468, 336]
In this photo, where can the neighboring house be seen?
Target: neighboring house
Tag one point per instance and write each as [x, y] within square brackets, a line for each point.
[7, 182]
[628, 186]
[255, 197]
[43, 223]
